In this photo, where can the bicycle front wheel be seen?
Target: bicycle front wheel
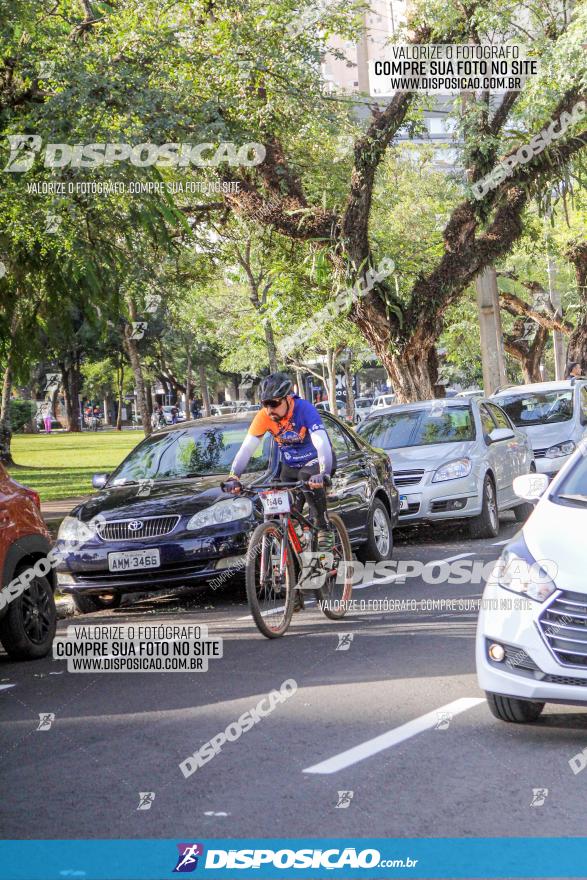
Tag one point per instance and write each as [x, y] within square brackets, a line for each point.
[335, 594]
[271, 599]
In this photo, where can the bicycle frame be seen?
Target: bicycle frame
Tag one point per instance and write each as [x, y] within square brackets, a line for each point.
[289, 536]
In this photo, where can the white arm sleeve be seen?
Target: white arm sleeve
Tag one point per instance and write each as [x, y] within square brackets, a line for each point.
[321, 443]
[243, 456]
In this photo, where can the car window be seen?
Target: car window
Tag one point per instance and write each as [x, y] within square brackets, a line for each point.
[574, 484]
[584, 405]
[538, 408]
[499, 417]
[340, 442]
[419, 427]
[198, 451]
[487, 422]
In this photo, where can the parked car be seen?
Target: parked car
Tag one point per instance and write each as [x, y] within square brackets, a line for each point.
[536, 653]
[363, 407]
[168, 414]
[552, 414]
[383, 400]
[222, 409]
[162, 519]
[471, 392]
[324, 406]
[28, 622]
[453, 459]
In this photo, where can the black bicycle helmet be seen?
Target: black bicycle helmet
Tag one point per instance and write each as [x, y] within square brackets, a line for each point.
[275, 386]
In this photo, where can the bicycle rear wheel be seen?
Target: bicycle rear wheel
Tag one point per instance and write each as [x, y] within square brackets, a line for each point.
[337, 589]
[270, 601]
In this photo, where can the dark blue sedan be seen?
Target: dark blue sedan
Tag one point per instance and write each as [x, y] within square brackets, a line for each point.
[161, 518]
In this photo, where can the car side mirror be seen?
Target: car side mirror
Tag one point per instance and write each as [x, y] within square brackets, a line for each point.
[501, 434]
[530, 487]
[100, 480]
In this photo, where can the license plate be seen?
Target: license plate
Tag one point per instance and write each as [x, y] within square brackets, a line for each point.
[403, 502]
[133, 560]
[275, 502]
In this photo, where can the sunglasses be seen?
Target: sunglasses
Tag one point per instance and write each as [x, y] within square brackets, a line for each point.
[272, 404]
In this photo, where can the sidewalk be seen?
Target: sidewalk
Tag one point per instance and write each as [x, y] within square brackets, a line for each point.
[54, 511]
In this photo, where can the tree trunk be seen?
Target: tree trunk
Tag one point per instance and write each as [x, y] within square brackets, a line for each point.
[529, 361]
[410, 372]
[119, 392]
[70, 376]
[271, 349]
[577, 350]
[188, 385]
[5, 422]
[149, 399]
[204, 389]
[107, 405]
[300, 384]
[331, 369]
[350, 391]
[132, 350]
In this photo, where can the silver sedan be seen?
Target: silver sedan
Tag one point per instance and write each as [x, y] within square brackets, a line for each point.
[453, 458]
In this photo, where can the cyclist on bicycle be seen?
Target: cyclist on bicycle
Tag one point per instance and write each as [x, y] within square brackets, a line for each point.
[305, 451]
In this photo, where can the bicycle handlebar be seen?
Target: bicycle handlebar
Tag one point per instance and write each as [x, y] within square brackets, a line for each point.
[300, 484]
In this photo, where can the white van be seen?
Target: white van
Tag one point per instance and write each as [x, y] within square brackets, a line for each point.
[552, 414]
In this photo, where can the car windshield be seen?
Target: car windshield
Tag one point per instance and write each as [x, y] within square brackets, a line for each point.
[538, 408]
[420, 427]
[199, 451]
[573, 488]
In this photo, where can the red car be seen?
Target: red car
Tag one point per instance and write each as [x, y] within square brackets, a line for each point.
[28, 620]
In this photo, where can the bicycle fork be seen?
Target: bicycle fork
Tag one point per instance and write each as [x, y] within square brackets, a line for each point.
[267, 570]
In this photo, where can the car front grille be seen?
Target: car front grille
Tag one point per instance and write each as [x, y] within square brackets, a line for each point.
[407, 478]
[520, 663]
[540, 453]
[136, 529]
[564, 627]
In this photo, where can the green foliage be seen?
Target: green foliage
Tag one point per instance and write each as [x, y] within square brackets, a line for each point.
[21, 413]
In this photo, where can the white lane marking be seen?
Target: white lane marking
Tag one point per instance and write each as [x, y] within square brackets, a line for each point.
[448, 559]
[392, 737]
[393, 577]
[4, 686]
[274, 610]
[501, 543]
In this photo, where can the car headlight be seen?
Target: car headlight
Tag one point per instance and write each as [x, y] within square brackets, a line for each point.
[221, 512]
[73, 530]
[560, 449]
[518, 571]
[452, 470]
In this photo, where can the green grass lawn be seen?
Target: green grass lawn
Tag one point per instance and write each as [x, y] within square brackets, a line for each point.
[61, 465]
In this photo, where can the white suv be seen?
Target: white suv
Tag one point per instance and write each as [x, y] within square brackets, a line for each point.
[532, 634]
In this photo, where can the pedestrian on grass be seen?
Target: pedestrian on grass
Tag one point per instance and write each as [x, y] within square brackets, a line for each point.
[47, 416]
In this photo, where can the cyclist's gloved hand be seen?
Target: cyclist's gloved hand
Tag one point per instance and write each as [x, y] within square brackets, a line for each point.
[233, 485]
[319, 481]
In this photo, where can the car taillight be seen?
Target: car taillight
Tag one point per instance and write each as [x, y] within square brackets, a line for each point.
[35, 496]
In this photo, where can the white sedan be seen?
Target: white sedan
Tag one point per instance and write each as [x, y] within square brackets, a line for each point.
[532, 629]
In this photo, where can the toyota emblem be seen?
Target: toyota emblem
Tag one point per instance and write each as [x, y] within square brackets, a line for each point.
[135, 525]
